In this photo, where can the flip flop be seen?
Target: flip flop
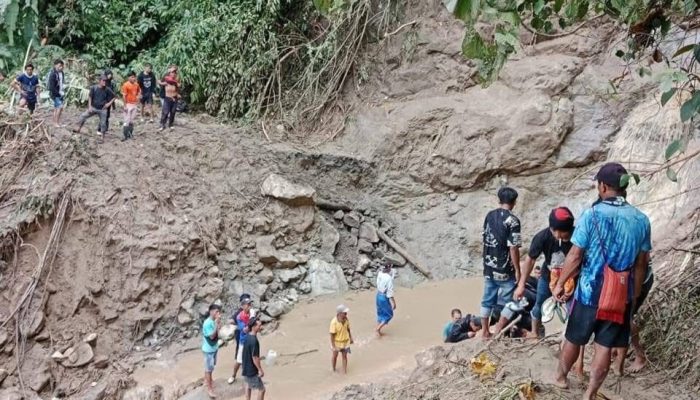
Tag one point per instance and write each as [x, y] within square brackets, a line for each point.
[548, 308]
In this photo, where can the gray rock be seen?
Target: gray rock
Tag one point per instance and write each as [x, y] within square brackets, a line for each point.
[277, 307]
[35, 324]
[265, 249]
[3, 337]
[339, 215]
[101, 362]
[3, 374]
[288, 275]
[362, 263]
[378, 253]
[90, 338]
[78, 356]
[97, 392]
[352, 219]
[210, 290]
[363, 246]
[184, 318]
[452, 196]
[292, 295]
[305, 287]
[266, 275]
[287, 260]
[329, 240]
[325, 278]
[368, 233]
[395, 259]
[281, 189]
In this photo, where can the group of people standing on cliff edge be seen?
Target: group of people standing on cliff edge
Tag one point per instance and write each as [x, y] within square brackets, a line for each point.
[135, 91]
[596, 274]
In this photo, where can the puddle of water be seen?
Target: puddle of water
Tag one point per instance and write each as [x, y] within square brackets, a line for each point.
[420, 316]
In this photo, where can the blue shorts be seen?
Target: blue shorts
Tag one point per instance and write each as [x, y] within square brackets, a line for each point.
[496, 292]
[209, 362]
[57, 102]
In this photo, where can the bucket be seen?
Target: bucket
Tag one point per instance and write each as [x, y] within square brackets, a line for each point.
[270, 358]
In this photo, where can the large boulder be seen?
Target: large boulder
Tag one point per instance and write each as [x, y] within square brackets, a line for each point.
[293, 194]
[326, 278]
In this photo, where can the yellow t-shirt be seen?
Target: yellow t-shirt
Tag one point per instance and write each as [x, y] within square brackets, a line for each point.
[341, 331]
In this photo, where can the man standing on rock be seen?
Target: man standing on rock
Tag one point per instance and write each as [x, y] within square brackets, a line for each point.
[210, 345]
[252, 368]
[130, 92]
[501, 258]
[241, 318]
[554, 242]
[611, 247]
[386, 304]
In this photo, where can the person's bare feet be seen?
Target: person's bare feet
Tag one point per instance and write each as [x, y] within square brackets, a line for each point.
[639, 363]
[579, 372]
[486, 335]
[531, 335]
[562, 382]
[211, 394]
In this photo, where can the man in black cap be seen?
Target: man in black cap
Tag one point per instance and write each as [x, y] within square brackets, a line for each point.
[109, 82]
[610, 253]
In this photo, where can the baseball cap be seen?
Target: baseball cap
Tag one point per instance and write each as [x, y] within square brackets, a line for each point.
[243, 296]
[611, 175]
[246, 300]
[342, 309]
[561, 219]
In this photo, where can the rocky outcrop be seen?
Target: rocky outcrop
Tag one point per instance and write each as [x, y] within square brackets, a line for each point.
[293, 194]
[326, 278]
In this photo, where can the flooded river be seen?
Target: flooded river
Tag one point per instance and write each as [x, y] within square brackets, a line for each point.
[420, 316]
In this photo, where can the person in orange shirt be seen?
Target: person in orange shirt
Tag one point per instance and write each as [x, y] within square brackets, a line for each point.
[131, 92]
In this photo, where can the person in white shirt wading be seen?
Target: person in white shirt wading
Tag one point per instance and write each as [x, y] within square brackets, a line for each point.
[386, 304]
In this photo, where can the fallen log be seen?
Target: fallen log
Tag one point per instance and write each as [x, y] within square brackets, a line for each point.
[507, 328]
[405, 254]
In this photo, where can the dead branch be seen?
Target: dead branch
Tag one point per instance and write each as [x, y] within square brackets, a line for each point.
[419, 266]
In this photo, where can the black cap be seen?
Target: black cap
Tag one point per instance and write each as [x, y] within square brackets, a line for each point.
[611, 175]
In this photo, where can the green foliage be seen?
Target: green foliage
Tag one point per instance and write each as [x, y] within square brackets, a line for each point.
[19, 21]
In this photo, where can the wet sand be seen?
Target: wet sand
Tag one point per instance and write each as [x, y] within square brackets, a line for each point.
[420, 316]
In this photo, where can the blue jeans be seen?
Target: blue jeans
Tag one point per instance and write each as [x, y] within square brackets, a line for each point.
[495, 290]
[543, 293]
[209, 362]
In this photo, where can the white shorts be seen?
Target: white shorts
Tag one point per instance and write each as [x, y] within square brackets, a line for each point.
[239, 356]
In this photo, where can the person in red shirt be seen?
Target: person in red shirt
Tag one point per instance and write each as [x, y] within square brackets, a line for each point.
[131, 92]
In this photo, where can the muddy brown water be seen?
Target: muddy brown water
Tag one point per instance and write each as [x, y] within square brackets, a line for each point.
[421, 313]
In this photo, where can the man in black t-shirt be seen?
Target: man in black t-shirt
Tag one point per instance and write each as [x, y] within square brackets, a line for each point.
[147, 82]
[501, 257]
[100, 99]
[554, 243]
[252, 369]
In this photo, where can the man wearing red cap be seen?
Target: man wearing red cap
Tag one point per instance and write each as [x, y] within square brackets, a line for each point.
[554, 242]
[610, 252]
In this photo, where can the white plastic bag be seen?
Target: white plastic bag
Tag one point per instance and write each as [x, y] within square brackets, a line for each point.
[270, 358]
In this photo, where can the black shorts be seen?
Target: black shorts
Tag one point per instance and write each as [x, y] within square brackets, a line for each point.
[646, 288]
[31, 105]
[146, 98]
[583, 323]
[238, 343]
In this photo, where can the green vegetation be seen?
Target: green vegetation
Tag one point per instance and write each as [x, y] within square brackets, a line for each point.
[237, 58]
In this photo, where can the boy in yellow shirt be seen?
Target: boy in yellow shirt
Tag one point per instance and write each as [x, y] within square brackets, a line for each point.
[341, 337]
